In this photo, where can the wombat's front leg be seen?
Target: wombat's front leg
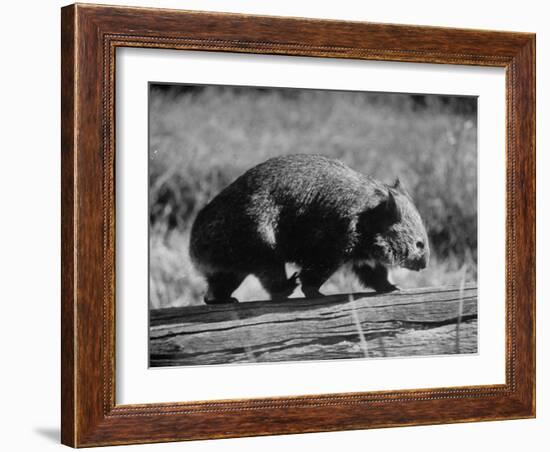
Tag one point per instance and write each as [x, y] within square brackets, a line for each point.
[313, 277]
[274, 280]
[375, 277]
[220, 287]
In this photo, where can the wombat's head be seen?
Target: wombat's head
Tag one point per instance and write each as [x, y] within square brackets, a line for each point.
[399, 237]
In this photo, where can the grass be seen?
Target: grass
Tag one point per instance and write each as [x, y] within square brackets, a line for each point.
[203, 138]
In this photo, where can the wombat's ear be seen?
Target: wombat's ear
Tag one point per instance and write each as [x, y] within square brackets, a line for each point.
[398, 185]
[391, 209]
[382, 216]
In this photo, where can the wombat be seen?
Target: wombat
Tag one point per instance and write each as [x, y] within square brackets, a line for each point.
[312, 211]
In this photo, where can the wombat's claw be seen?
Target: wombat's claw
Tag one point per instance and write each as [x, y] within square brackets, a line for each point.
[294, 279]
[287, 288]
[230, 300]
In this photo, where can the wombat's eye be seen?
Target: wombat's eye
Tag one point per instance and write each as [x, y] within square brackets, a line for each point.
[420, 245]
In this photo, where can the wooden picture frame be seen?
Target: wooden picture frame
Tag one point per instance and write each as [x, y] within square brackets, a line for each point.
[90, 36]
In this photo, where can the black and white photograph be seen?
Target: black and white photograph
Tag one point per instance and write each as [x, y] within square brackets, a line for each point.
[291, 224]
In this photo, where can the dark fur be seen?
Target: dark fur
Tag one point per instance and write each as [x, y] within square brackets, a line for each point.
[312, 211]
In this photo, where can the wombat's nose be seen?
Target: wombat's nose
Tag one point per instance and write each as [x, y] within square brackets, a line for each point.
[419, 263]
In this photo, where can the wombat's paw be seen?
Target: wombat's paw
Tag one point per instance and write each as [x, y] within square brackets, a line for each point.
[283, 291]
[312, 292]
[388, 288]
[220, 300]
[294, 280]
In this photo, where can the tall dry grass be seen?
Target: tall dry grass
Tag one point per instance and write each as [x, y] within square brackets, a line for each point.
[202, 138]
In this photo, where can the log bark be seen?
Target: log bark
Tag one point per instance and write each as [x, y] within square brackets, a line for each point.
[433, 321]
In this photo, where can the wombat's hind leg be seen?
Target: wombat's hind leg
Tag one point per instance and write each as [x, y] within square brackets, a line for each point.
[274, 280]
[375, 277]
[313, 277]
[220, 287]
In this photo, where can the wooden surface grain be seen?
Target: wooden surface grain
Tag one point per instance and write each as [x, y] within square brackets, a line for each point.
[68, 311]
[430, 321]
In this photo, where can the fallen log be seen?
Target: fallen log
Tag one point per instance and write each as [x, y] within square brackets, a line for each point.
[432, 321]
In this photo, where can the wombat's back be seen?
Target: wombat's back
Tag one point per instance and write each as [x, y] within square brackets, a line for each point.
[302, 181]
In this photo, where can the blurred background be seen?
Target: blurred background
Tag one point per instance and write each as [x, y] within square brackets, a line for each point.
[201, 138]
